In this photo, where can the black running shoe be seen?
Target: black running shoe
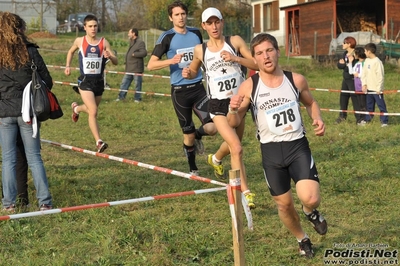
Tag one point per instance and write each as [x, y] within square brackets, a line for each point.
[318, 222]
[305, 248]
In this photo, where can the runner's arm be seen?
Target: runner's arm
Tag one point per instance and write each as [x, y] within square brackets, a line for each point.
[109, 53]
[247, 59]
[240, 103]
[70, 54]
[155, 63]
[194, 67]
[310, 103]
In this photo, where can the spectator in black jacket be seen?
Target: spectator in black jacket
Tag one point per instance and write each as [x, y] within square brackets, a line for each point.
[15, 76]
[349, 43]
[134, 63]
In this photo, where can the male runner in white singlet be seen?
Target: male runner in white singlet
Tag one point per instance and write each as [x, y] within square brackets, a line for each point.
[274, 96]
[223, 63]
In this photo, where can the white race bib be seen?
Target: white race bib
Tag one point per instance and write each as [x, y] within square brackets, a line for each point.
[187, 57]
[92, 65]
[226, 86]
[284, 118]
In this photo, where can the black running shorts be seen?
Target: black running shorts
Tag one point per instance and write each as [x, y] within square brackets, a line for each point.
[219, 107]
[95, 85]
[188, 98]
[286, 161]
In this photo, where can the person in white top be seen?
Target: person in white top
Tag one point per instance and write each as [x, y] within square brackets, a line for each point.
[372, 80]
[275, 96]
[222, 63]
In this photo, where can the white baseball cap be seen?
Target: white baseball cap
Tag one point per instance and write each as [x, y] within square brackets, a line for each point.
[210, 12]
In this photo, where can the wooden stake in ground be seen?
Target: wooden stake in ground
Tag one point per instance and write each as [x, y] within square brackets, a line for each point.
[237, 221]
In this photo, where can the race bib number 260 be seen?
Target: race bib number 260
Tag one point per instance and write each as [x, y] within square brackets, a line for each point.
[92, 65]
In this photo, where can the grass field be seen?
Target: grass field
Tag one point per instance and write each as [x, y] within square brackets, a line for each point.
[358, 167]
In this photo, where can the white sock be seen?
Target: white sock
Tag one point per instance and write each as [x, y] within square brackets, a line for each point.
[97, 142]
[75, 109]
[215, 160]
[305, 236]
[306, 213]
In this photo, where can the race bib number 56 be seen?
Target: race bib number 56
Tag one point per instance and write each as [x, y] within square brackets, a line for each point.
[187, 57]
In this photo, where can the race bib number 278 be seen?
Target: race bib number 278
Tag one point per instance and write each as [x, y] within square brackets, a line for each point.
[284, 119]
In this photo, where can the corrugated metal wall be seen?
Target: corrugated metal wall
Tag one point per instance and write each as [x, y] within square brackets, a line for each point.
[31, 12]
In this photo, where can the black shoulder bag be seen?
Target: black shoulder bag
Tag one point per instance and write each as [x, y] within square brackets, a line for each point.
[44, 103]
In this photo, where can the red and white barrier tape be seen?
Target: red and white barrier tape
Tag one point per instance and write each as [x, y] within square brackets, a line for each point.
[168, 77]
[231, 202]
[234, 184]
[359, 112]
[108, 204]
[115, 72]
[356, 92]
[144, 165]
[247, 212]
[111, 89]
[169, 95]
[157, 168]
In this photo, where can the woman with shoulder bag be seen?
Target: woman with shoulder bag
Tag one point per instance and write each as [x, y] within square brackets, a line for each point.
[15, 74]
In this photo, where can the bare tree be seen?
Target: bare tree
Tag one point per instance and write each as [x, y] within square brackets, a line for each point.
[127, 14]
[39, 6]
[66, 7]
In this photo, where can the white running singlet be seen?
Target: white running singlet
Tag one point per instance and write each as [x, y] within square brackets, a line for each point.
[277, 112]
[223, 78]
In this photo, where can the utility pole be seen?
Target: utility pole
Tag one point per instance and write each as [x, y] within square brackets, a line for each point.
[251, 18]
[41, 15]
[103, 14]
